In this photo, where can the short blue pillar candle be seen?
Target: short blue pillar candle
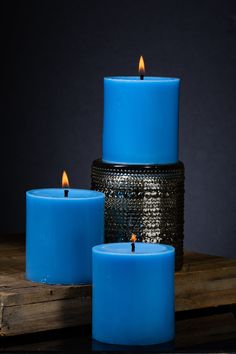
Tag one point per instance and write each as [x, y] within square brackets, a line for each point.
[60, 234]
[141, 119]
[133, 294]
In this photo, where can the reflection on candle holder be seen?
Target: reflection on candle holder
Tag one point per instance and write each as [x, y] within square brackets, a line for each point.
[147, 200]
[158, 348]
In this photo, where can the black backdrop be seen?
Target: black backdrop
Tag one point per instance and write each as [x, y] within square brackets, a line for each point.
[56, 54]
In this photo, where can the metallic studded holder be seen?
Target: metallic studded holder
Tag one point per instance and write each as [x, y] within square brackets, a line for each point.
[147, 200]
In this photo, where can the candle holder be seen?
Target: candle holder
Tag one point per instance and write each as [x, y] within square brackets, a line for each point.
[147, 200]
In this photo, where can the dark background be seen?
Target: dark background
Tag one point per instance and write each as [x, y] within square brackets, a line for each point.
[56, 54]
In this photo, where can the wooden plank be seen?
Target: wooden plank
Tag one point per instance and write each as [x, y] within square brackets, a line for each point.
[187, 302]
[197, 261]
[205, 281]
[46, 315]
[46, 293]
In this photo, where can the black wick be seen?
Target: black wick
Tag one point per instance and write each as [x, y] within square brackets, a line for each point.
[133, 247]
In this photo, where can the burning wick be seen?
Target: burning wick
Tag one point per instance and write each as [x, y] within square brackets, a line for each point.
[141, 68]
[65, 184]
[133, 240]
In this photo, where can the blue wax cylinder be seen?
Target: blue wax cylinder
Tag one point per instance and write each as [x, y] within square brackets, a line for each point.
[133, 294]
[141, 120]
[60, 234]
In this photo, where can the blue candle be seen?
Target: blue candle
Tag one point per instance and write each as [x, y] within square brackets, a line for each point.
[133, 294]
[141, 120]
[60, 234]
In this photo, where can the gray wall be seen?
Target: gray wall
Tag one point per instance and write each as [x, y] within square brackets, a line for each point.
[56, 55]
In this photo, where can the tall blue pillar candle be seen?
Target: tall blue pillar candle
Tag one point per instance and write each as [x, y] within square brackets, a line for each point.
[141, 120]
[133, 294]
[60, 234]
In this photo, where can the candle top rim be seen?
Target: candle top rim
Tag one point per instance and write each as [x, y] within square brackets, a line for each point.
[141, 249]
[58, 194]
[148, 79]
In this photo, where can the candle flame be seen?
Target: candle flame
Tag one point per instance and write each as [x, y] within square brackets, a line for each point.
[133, 238]
[65, 180]
[141, 67]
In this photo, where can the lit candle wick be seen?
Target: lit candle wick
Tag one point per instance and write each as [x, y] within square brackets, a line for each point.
[133, 239]
[65, 184]
[141, 68]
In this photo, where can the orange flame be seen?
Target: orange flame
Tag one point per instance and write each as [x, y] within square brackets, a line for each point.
[133, 238]
[141, 67]
[65, 180]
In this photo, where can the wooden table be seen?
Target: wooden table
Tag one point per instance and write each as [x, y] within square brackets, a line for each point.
[205, 304]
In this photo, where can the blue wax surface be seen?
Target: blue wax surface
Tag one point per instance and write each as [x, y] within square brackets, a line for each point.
[141, 119]
[133, 294]
[60, 234]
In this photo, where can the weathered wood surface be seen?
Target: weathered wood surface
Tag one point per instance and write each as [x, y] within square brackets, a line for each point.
[205, 281]
[27, 307]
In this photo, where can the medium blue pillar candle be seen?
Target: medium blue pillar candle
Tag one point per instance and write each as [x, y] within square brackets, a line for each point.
[141, 120]
[60, 234]
[133, 294]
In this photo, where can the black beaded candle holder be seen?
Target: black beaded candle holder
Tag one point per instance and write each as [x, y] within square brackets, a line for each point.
[147, 200]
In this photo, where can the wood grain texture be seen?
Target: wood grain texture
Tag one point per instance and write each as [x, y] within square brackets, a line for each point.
[26, 307]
